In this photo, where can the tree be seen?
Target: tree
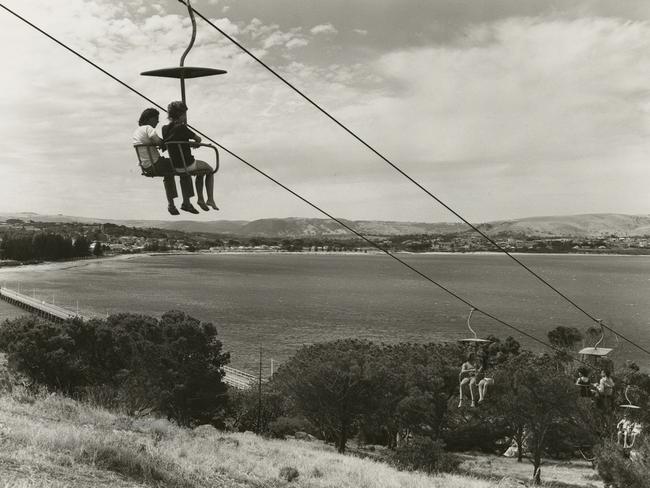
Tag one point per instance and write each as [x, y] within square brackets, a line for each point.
[81, 247]
[98, 250]
[172, 365]
[411, 385]
[189, 367]
[535, 396]
[329, 384]
[566, 339]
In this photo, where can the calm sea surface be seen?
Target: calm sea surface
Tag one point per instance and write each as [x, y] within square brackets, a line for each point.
[281, 301]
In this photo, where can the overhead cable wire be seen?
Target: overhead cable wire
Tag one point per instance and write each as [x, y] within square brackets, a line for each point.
[300, 197]
[411, 179]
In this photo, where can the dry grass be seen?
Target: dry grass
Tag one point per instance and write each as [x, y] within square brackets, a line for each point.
[48, 440]
[554, 473]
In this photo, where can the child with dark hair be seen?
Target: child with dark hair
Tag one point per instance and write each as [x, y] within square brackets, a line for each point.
[153, 164]
[181, 154]
[584, 383]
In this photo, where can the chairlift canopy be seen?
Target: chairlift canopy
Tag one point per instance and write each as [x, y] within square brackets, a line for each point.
[595, 351]
[184, 72]
[475, 341]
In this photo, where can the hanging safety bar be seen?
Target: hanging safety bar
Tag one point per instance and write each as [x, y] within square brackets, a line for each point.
[179, 171]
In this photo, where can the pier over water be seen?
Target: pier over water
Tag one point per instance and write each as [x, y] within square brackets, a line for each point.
[38, 307]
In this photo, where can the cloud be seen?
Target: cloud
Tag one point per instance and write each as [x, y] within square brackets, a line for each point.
[529, 115]
[296, 42]
[324, 29]
[361, 32]
[226, 25]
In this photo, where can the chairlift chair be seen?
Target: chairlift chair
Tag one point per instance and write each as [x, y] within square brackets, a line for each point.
[182, 73]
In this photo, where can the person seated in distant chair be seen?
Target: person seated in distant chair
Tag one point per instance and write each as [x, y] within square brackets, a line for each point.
[467, 376]
[584, 383]
[624, 428]
[153, 164]
[483, 385]
[604, 391]
[181, 155]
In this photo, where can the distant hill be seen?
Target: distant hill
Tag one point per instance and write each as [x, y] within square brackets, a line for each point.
[587, 225]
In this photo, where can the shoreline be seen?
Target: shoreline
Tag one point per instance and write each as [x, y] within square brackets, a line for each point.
[62, 265]
[59, 265]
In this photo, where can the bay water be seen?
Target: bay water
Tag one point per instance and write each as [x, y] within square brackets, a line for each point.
[281, 301]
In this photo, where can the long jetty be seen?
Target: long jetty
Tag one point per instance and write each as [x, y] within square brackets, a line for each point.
[233, 377]
[38, 307]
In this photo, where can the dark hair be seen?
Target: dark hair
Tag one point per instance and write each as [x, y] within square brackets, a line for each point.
[175, 110]
[606, 372]
[147, 114]
[471, 356]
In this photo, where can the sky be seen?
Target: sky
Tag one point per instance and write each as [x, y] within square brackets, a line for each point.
[502, 108]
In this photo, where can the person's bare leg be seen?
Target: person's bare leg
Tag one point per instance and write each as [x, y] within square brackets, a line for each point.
[198, 183]
[199, 191]
[464, 381]
[209, 190]
[472, 384]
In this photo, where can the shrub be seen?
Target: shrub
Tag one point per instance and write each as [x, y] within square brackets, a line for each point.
[288, 473]
[618, 471]
[425, 454]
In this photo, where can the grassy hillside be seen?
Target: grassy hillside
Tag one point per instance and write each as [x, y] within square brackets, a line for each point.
[52, 441]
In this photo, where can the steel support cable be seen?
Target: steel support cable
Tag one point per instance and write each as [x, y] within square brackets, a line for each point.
[300, 197]
[412, 180]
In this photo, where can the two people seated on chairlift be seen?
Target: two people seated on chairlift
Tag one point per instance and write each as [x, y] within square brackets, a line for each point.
[182, 164]
[472, 374]
[603, 391]
[627, 432]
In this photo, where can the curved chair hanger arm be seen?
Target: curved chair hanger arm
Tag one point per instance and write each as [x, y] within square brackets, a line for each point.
[188, 48]
[602, 333]
[627, 398]
[469, 318]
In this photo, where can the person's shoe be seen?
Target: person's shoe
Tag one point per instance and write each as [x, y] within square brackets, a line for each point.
[203, 206]
[173, 210]
[212, 204]
[473, 404]
[460, 404]
[188, 207]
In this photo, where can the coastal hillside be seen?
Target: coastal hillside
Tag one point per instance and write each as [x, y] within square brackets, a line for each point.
[584, 226]
[589, 225]
[52, 441]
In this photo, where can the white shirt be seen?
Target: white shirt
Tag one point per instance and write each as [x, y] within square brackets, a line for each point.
[145, 134]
